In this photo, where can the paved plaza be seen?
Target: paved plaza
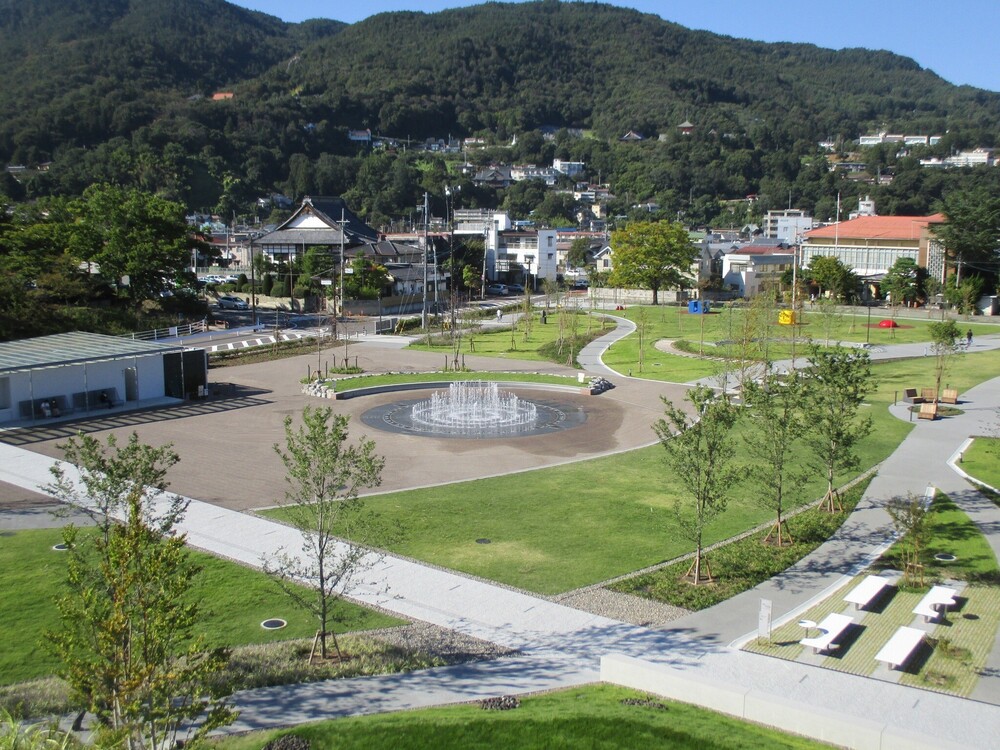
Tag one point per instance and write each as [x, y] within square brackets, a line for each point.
[560, 646]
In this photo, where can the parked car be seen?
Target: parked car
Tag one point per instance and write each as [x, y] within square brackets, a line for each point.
[515, 288]
[581, 284]
[497, 289]
[232, 303]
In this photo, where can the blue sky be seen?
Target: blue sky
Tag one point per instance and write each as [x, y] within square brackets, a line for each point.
[957, 40]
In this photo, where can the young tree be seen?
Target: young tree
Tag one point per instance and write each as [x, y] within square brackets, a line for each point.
[774, 408]
[700, 455]
[127, 638]
[324, 475]
[835, 387]
[653, 255]
[913, 522]
[945, 338]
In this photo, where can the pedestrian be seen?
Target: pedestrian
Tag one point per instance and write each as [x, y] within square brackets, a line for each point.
[968, 337]
[499, 314]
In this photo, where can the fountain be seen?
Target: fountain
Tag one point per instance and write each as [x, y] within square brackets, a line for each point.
[475, 407]
[476, 410]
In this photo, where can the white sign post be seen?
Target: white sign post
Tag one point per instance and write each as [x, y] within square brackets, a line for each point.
[764, 620]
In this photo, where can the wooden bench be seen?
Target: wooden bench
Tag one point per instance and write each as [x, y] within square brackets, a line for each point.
[910, 396]
[935, 602]
[867, 591]
[99, 398]
[928, 394]
[900, 647]
[949, 396]
[928, 411]
[831, 628]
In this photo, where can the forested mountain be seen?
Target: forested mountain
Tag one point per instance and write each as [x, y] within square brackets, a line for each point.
[80, 72]
[119, 92]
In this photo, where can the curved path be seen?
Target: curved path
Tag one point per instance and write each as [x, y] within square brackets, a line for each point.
[562, 646]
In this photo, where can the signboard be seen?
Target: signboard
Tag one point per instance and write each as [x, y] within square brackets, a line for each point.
[764, 619]
[326, 282]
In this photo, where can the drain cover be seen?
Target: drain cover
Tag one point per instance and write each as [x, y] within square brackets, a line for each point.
[482, 541]
[275, 623]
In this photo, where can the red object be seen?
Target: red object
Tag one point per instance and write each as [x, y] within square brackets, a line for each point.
[887, 324]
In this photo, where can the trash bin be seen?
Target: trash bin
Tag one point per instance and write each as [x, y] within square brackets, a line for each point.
[694, 306]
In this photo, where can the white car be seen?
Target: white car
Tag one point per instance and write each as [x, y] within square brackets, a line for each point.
[232, 303]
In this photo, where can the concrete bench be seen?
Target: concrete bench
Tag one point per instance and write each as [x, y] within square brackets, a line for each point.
[831, 628]
[928, 411]
[935, 602]
[867, 591]
[910, 396]
[949, 396]
[900, 647]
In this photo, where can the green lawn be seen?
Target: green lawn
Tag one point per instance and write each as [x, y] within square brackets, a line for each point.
[702, 334]
[510, 341]
[588, 717]
[235, 600]
[374, 381]
[982, 461]
[542, 524]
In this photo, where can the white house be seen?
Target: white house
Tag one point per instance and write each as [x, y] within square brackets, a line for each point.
[749, 273]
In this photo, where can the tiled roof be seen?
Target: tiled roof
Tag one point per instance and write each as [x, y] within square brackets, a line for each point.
[878, 228]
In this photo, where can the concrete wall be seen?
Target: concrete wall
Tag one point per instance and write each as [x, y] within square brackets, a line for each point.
[824, 724]
[635, 296]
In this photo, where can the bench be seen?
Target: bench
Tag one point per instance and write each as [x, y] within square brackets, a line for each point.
[867, 591]
[949, 396]
[935, 602]
[831, 628]
[928, 411]
[900, 647]
[928, 394]
[100, 398]
[910, 396]
[56, 406]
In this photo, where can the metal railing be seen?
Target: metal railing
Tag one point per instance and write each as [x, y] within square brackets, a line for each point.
[172, 332]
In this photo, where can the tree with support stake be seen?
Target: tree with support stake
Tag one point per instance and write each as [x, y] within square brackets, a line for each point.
[324, 475]
[700, 455]
[836, 384]
[774, 410]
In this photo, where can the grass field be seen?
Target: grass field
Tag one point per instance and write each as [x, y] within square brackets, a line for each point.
[982, 460]
[234, 599]
[542, 524]
[704, 334]
[594, 717]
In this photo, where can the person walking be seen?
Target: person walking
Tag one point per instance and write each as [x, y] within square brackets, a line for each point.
[499, 314]
[968, 338]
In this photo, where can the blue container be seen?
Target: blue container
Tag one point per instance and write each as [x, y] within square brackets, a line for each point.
[694, 306]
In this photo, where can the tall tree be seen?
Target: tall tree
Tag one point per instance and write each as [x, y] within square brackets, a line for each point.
[971, 233]
[700, 454]
[324, 475]
[830, 274]
[127, 637]
[139, 241]
[652, 255]
[837, 382]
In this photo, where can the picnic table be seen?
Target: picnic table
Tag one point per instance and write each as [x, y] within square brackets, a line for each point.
[900, 647]
[830, 630]
[867, 591]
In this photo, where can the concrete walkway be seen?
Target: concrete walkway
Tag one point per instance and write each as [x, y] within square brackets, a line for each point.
[562, 646]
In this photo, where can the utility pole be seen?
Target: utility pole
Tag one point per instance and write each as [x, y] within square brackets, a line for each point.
[423, 252]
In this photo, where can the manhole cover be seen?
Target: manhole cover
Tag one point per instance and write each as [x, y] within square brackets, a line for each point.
[60, 547]
[945, 557]
[275, 623]
[482, 541]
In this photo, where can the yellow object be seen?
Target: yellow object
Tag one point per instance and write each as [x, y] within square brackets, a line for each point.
[786, 317]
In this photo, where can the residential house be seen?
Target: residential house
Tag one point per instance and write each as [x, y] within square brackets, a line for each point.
[319, 222]
[752, 270]
[495, 176]
[568, 168]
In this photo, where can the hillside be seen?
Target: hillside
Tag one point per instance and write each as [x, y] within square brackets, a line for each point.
[80, 72]
[119, 92]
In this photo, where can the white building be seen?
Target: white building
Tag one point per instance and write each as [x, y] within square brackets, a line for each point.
[750, 273]
[516, 255]
[569, 168]
[787, 225]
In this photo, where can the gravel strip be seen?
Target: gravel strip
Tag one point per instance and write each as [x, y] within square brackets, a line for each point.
[450, 646]
[624, 607]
